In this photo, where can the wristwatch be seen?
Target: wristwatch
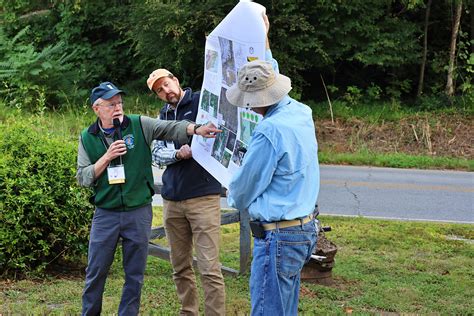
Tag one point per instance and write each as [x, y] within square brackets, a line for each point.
[196, 126]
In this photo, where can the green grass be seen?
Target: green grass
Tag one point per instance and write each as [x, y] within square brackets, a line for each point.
[381, 266]
[368, 112]
[395, 160]
[71, 120]
[377, 111]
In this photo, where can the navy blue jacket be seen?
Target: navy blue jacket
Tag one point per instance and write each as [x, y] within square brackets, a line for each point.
[186, 178]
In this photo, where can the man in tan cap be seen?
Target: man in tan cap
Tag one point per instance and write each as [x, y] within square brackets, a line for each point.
[278, 182]
[191, 203]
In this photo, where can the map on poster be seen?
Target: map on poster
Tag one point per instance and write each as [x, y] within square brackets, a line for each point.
[239, 38]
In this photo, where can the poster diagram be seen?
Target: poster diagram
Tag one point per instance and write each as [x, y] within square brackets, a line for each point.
[239, 38]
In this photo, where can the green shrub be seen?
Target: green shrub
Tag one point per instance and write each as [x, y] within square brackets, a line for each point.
[44, 215]
[32, 78]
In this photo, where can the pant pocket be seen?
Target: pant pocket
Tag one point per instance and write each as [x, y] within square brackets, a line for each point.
[291, 256]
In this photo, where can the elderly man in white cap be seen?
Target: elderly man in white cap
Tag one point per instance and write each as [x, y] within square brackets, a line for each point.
[278, 183]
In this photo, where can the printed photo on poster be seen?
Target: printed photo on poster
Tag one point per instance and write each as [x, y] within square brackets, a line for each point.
[227, 62]
[239, 152]
[211, 60]
[228, 111]
[220, 143]
[248, 122]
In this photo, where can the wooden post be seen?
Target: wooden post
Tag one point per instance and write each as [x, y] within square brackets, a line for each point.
[244, 241]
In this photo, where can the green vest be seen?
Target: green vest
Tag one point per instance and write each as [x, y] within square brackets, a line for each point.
[138, 187]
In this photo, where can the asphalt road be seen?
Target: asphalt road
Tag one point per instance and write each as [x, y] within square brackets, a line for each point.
[406, 194]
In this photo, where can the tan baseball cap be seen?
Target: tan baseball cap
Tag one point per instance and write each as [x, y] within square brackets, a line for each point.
[155, 75]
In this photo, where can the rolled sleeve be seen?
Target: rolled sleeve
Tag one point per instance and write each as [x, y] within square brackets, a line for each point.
[162, 155]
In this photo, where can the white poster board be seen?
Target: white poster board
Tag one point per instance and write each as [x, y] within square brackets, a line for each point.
[239, 38]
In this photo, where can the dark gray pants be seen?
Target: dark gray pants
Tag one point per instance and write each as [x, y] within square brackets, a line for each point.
[134, 228]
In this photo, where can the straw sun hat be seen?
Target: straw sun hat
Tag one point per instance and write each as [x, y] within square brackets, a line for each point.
[258, 85]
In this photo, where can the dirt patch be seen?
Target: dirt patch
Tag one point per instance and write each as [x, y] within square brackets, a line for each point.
[61, 271]
[343, 284]
[442, 136]
[305, 292]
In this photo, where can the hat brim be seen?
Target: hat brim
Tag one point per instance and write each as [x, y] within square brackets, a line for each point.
[260, 98]
[111, 93]
[160, 73]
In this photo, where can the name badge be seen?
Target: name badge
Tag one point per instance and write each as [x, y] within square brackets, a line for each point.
[116, 174]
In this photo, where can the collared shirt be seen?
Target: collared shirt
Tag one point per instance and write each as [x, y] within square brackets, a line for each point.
[279, 176]
[164, 152]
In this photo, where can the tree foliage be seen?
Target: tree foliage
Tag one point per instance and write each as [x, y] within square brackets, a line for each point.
[33, 78]
[360, 43]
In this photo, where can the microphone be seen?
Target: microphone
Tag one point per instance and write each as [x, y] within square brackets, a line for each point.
[117, 128]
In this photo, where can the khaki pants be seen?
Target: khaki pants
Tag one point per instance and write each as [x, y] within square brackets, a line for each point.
[196, 221]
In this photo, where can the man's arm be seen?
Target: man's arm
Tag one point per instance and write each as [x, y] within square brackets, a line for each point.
[268, 52]
[87, 172]
[162, 155]
[174, 130]
[255, 174]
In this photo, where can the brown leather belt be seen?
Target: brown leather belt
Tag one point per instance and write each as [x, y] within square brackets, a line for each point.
[290, 223]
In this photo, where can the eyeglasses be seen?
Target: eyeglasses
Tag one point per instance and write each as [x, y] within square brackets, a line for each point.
[112, 105]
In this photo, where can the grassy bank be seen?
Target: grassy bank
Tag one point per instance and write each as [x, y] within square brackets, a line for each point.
[72, 119]
[381, 266]
[395, 160]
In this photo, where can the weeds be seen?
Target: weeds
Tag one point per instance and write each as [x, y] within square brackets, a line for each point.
[381, 267]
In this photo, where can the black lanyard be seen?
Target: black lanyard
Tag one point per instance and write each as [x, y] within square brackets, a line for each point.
[106, 145]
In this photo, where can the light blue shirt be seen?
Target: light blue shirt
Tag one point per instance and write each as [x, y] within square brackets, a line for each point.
[279, 176]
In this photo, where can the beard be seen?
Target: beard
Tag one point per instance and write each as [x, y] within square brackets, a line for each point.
[172, 98]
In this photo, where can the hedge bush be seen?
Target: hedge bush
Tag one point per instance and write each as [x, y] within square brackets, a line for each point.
[44, 215]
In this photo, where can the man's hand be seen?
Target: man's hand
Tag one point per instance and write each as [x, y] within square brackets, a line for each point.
[267, 28]
[116, 149]
[208, 130]
[184, 152]
[266, 22]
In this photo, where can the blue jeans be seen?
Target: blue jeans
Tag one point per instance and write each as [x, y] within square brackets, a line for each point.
[276, 266]
[134, 227]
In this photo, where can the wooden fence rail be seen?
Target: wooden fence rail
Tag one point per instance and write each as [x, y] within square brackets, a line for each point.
[226, 218]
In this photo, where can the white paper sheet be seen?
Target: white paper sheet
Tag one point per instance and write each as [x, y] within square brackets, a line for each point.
[239, 38]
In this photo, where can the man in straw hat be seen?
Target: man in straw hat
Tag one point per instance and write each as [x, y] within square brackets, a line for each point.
[114, 159]
[278, 183]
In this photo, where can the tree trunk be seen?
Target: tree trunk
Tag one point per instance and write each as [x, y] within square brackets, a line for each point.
[472, 25]
[425, 50]
[452, 52]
